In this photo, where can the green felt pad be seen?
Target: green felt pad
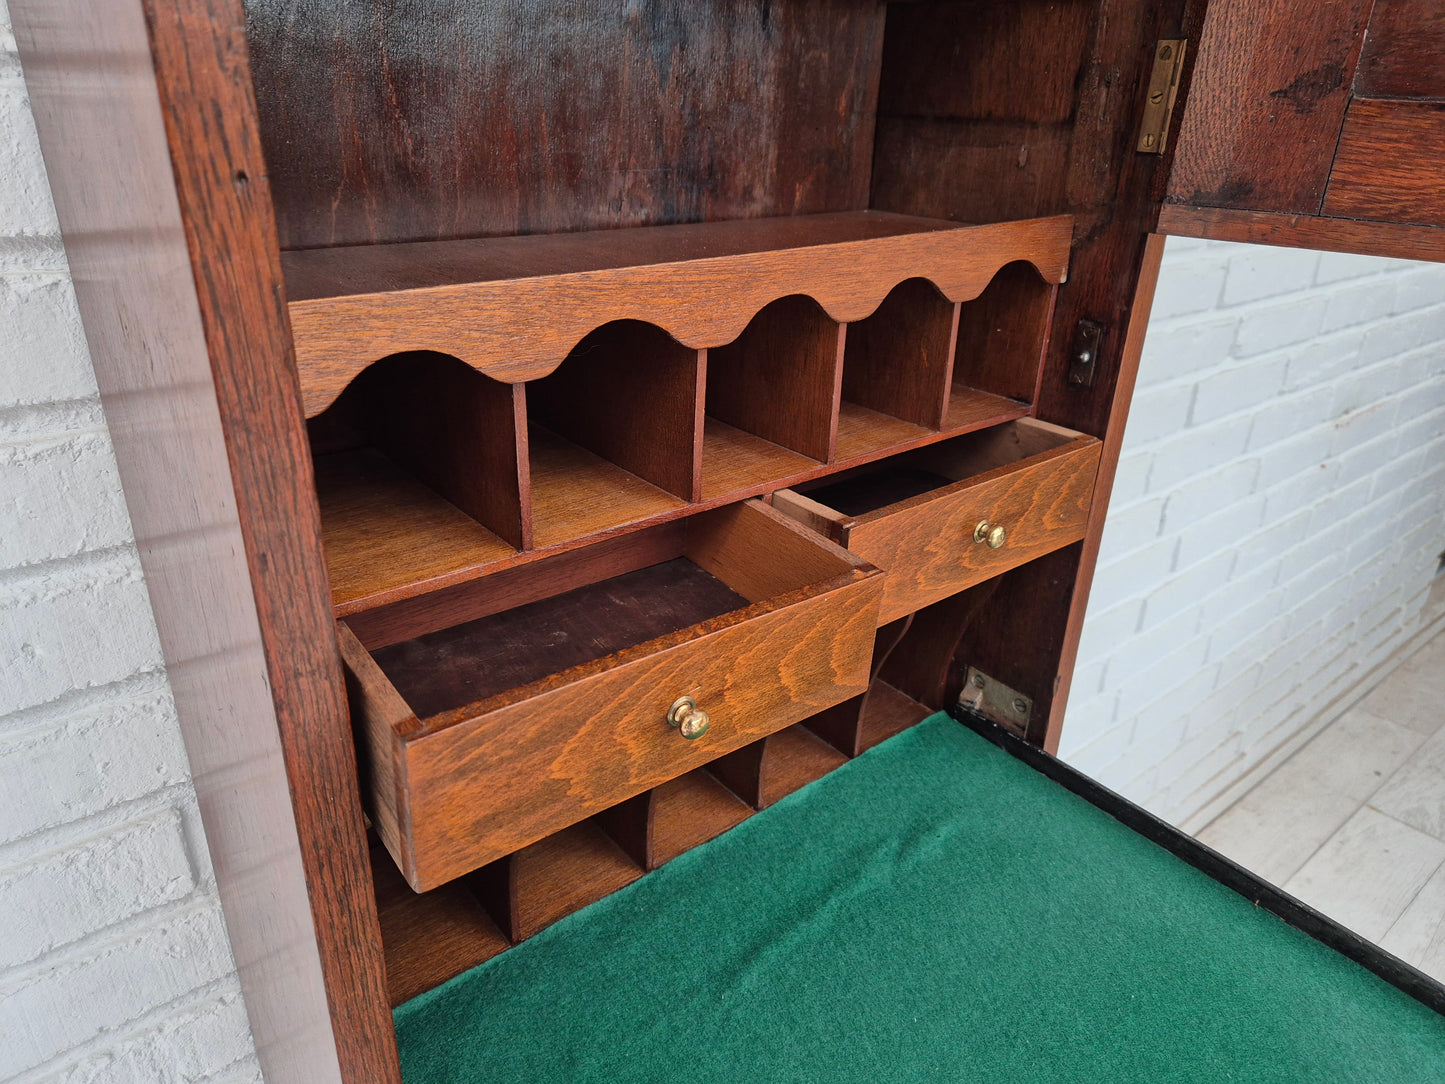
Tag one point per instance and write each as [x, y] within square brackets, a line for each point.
[932, 911]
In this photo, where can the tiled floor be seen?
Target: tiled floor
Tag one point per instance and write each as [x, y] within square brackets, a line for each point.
[1354, 823]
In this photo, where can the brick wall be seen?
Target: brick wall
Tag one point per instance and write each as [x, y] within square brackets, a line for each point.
[1277, 520]
[114, 964]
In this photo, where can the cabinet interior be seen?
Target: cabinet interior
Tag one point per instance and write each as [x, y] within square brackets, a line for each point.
[525, 147]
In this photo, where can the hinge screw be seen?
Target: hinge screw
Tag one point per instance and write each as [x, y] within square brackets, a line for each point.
[1020, 705]
[978, 681]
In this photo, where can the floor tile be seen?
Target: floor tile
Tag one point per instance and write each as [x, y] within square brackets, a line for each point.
[1418, 935]
[1414, 694]
[1275, 828]
[1354, 755]
[1368, 872]
[1415, 794]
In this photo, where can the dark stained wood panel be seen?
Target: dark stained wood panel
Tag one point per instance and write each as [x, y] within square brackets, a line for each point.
[1036, 46]
[1263, 113]
[382, 123]
[1306, 231]
[1404, 52]
[1391, 163]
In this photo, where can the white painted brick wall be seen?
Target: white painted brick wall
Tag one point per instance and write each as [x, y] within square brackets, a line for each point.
[114, 964]
[1277, 518]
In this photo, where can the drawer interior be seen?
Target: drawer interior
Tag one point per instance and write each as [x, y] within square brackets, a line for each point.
[662, 581]
[887, 482]
[478, 659]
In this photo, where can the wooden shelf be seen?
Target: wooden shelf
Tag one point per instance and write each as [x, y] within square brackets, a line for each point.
[734, 462]
[576, 494]
[556, 876]
[703, 283]
[970, 409]
[383, 530]
[864, 433]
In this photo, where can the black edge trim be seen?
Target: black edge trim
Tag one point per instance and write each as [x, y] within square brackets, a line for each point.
[1261, 893]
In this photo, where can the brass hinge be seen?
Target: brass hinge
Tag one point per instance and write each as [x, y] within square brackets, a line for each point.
[991, 698]
[1163, 87]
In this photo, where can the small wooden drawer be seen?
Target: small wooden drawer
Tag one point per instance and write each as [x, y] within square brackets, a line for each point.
[476, 750]
[916, 515]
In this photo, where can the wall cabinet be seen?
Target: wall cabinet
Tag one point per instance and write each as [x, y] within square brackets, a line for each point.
[560, 430]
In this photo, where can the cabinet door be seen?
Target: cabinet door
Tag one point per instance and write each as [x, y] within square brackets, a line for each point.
[1317, 125]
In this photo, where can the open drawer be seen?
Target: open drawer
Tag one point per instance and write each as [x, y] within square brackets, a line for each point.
[950, 515]
[479, 744]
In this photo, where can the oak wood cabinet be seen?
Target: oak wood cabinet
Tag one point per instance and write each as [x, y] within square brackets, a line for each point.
[627, 381]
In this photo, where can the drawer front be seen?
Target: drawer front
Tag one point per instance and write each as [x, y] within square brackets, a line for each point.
[926, 546]
[484, 788]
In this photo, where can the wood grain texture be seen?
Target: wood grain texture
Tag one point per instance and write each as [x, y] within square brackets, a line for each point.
[780, 378]
[468, 663]
[887, 712]
[454, 429]
[1305, 231]
[1261, 119]
[577, 116]
[576, 493]
[688, 811]
[1002, 335]
[383, 530]
[753, 670]
[632, 394]
[701, 283]
[148, 125]
[518, 586]
[953, 135]
[1404, 51]
[899, 360]
[1390, 163]
[735, 462]
[1033, 480]
[555, 876]
[792, 759]
[429, 937]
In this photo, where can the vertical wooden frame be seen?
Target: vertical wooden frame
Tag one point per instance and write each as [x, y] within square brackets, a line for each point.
[147, 123]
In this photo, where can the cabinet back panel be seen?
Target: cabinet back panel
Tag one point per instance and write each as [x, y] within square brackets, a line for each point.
[491, 119]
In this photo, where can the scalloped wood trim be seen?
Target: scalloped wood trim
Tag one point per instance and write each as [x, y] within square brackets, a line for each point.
[514, 307]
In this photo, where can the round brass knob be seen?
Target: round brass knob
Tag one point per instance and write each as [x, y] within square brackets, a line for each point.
[691, 721]
[992, 535]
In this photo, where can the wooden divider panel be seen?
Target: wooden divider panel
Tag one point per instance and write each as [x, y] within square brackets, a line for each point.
[780, 379]
[631, 393]
[458, 431]
[1003, 333]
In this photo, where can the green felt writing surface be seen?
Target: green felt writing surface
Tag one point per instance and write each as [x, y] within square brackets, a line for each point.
[932, 911]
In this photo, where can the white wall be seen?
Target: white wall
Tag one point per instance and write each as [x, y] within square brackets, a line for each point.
[114, 965]
[1276, 522]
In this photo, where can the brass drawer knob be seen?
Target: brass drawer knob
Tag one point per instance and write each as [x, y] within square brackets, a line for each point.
[993, 535]
[691, 721]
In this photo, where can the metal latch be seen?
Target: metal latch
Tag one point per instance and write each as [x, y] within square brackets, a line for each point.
[1163, 87]
[994, 700]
